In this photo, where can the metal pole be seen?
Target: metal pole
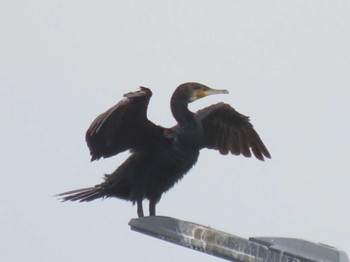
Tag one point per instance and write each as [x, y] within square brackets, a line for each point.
[234, 248]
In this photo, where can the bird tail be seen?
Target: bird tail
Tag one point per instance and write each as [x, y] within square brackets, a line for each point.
[83, 194]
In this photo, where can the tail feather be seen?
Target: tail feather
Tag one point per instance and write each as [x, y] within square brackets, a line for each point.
[83, 194]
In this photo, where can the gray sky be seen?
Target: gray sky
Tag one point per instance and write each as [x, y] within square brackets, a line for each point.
[285, 63]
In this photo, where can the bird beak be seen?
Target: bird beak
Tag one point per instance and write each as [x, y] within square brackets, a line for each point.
[209, 91]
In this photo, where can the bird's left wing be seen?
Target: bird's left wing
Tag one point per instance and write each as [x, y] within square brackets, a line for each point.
[227, 130]
[122, 127]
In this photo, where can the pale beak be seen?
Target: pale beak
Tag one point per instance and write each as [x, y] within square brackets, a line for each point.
[206, 91]
[211, 91]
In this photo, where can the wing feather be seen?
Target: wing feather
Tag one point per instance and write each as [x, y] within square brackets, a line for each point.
[227, 130]
[124, 126]
[235, 147]
[244, 142]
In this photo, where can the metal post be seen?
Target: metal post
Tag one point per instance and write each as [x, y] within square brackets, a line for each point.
[234, 248]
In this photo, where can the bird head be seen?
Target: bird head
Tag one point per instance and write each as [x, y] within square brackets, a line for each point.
[195, 91]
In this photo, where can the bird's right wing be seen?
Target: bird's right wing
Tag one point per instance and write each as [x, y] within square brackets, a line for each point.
[122, 127]
[227, 130]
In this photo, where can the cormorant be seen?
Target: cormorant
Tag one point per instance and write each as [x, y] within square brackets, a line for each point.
[160, 156]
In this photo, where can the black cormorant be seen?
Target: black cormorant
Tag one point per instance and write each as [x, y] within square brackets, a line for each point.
[160, 156]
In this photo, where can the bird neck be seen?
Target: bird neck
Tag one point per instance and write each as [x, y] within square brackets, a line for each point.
[179, 109]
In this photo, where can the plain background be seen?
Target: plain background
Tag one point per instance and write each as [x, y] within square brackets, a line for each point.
[285, 63]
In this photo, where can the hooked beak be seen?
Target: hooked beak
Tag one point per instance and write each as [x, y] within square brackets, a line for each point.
[203, 91]
[207, 92]
[211, 91]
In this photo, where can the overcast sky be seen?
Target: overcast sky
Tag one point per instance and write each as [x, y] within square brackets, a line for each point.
[285, 63]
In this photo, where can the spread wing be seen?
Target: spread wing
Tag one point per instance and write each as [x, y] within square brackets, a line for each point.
[227, 130]
[122, 127]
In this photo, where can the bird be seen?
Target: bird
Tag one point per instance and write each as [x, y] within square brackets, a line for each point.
[160, 156]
